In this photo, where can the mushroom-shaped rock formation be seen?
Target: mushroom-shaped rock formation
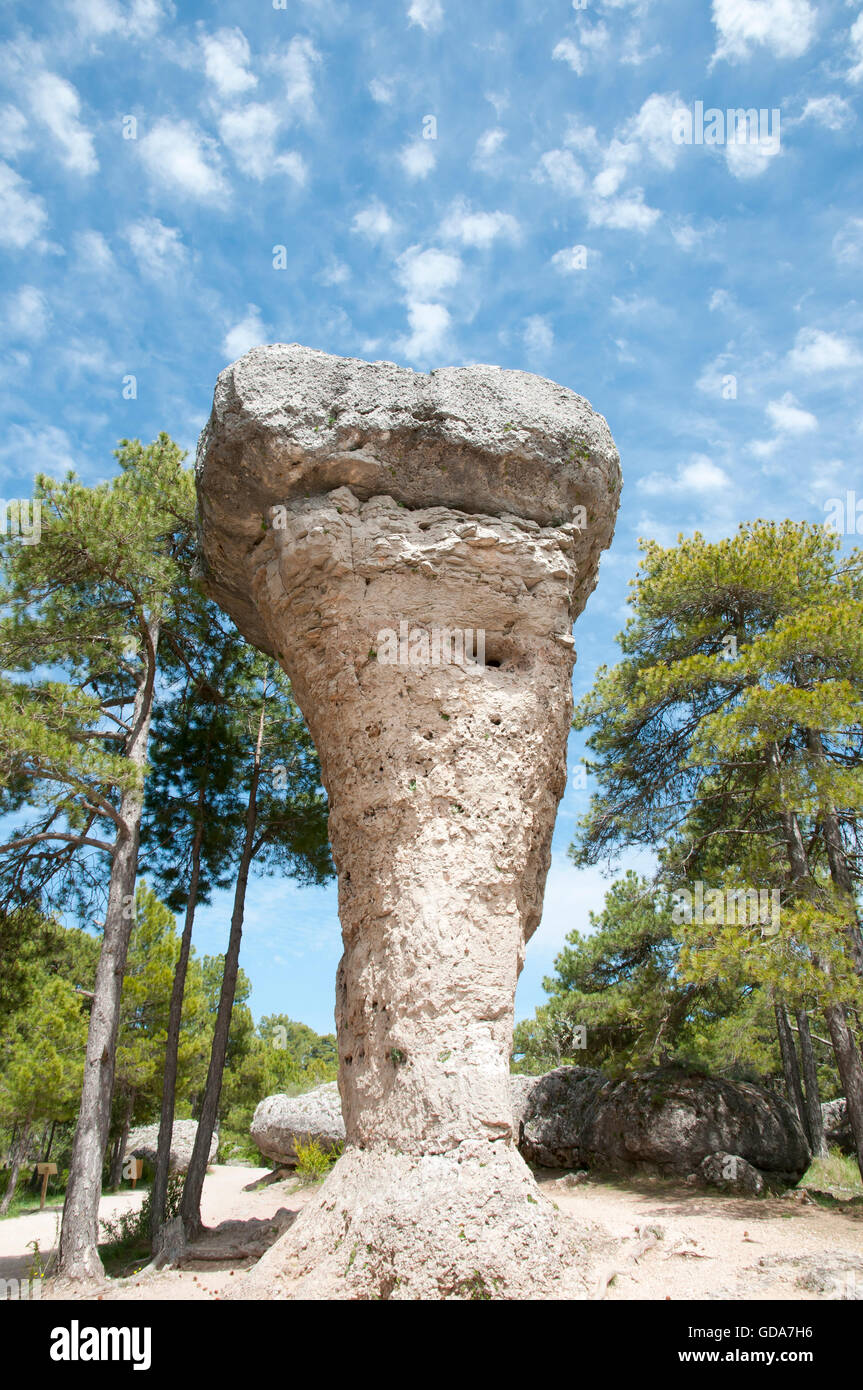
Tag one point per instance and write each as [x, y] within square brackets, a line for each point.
[413, 549]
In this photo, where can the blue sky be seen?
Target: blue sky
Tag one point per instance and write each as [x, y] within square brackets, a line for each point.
[713, 314]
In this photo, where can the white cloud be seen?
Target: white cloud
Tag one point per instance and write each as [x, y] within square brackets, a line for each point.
[720, 299]
[785, 27]
[250, 134]
[538, 335]
[56, 104]
[428, 14]
[373, 222]
[562, 170]
[429, 329]
[226, 61]
[177, 155]
[593, 36]
[381, 92]
[31, 449]
[572, 259]
[248, 333]
[140, 20]
[633, 305]
[746, 157]
[489, 143]
[13, 132]
[297, 65]
[855, 42]
[848, 242]
[831, 111]
[94, 251]
[22, 213]
[567, 51]
[763, 448]
[629, 213]
[699, 475]
[788, 417]
[590, 37]
[687, 237]
[26, 314]
[633, 55]
[478, 228]
[817, 351]
[418, 158]
[651, 129]
[582, 137]
[97, 17]
[425, 274]
[158, 249]
[337, 273]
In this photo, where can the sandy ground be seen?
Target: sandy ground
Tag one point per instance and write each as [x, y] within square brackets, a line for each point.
[675, 1242]
[668, 1241]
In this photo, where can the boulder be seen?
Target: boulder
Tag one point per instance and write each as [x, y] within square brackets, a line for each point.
[731, 1173]
[143, 1142]
[550, 1115]
[666, 1120]
[837, 1126]
[280, 1121]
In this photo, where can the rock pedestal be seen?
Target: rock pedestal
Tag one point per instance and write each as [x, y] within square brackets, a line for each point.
[413, 549]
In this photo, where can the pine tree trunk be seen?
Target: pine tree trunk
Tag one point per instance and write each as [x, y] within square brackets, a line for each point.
[79, 1256]
[810, 1077]
[844, 1045]
[19, 1148]
[790, 1066]
[159, 1192]
[850, 1072]
[122, 1140]
[190, 1207]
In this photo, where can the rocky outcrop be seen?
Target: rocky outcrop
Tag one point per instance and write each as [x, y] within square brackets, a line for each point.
[356, 519]
[665, 1120]
[143, 1142]
[279, 1121]
[837, 1125]
[731, 1173]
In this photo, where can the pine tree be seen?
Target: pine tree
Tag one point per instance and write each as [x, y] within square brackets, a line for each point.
[91, 602]
[732, 728]
[41, 1062]
[284, 827]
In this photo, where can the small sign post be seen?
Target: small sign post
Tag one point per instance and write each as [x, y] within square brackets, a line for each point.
[46, 1171]
[132, 1169]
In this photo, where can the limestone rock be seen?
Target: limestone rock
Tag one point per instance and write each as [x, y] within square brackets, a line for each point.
[143, 1142]
[665, 1120]
[279, 1121]
[553, 1116]
[731, 1173]
[837, 1126]
[358, 519]
[289, 422]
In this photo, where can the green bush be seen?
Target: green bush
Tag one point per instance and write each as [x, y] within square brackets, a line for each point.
[128, 1236]
[313, 1162]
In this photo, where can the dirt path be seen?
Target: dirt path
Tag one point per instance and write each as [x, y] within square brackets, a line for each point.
[223, 1199]
[666, 1241]
[675, 1242]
